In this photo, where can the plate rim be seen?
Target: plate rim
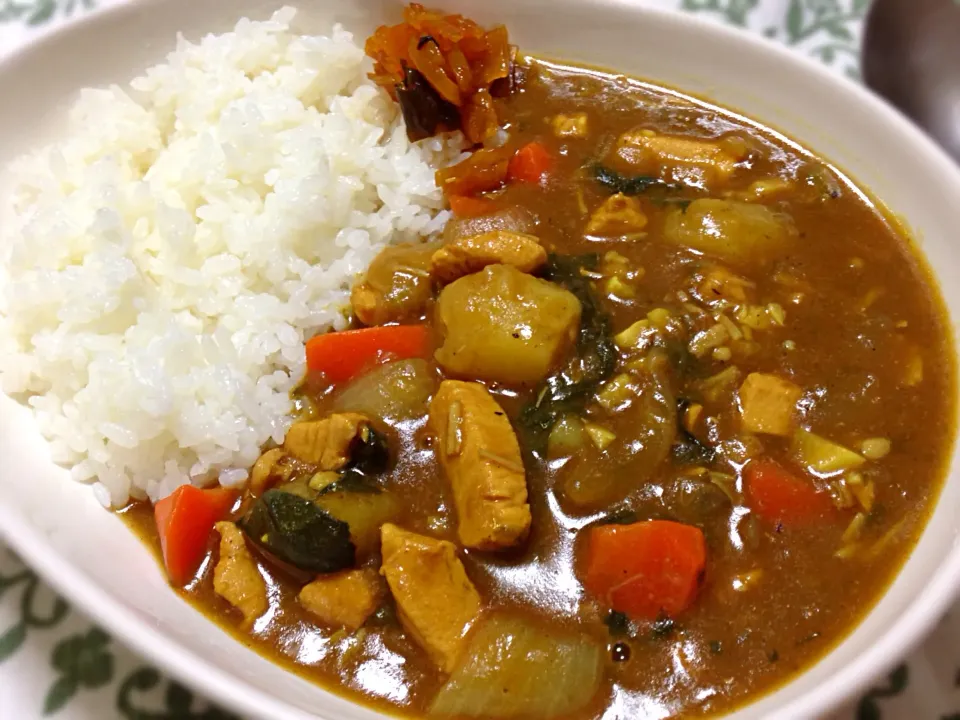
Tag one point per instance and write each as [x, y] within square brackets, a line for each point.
[226, 690]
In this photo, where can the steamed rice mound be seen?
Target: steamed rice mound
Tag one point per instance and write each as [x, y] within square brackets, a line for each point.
[162, 266]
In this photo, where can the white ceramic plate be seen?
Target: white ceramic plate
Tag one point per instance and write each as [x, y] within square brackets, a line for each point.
[94, 561]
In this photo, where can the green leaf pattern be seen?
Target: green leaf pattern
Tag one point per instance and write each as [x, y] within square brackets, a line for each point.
[87, 669]
[33, 13]
[826, 30]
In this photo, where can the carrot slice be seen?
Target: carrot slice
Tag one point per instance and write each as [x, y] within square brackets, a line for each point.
[185, 519]
[778, 496]
[484, 170]
[645, 569]
[342, 356]
[531, 163]
[464, 206]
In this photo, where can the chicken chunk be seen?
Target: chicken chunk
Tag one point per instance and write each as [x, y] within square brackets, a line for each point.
[619, 215]
[481, 458]
[272, 467]
[326, 443]
[344, 599]
[436, 602]
[768, 403]
[397, 285]
[472, 254]
[701, 163]
[505, 326]
[236, 578]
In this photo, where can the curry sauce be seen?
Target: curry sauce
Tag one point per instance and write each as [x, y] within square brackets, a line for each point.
[755, 313]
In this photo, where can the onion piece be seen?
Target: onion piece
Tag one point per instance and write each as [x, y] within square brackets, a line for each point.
[513, 219]
[512, 668]
[393, 392]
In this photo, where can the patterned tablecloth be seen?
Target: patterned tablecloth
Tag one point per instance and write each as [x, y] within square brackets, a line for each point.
[53, 662]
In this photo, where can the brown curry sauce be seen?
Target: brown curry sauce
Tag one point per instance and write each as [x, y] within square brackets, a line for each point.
[861, 310]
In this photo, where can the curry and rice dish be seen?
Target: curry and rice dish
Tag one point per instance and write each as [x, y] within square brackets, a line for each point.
[634, 412]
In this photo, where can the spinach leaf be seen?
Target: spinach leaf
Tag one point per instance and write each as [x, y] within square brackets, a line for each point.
[596, 353]
[624, 516]
[424, 111]
[368, 453]
[663, 626]
[687, 449]
[617, 183]
[351, 481]
[297, 532]
[617, 623]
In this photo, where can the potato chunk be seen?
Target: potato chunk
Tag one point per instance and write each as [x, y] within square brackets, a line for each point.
[619, 215]
[822, 456]
[236, 578]
[344, 599]
[468, 255]
[702, 163]
[738, 232]
[325, 443]
[397, 285]
[436, 602]
[481, 458]
[768, 403]
[505, 326]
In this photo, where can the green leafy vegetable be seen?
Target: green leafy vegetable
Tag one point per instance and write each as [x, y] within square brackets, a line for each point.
[596, 353]
[617, 623]
[369, 453]
[682, 203]
[687, 449]
[513, 669]
[352, 481]
[663, 626]
[296, 531]
[617, 183]
[619, 517]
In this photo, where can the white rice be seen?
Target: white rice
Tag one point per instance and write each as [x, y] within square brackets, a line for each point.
[166, 261]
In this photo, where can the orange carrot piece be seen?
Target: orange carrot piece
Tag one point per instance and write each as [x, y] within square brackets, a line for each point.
[779, 496]
[464, 206]
[342, 356]
[185, 519]
[530, 164]
[484, 170]
[645, 569]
